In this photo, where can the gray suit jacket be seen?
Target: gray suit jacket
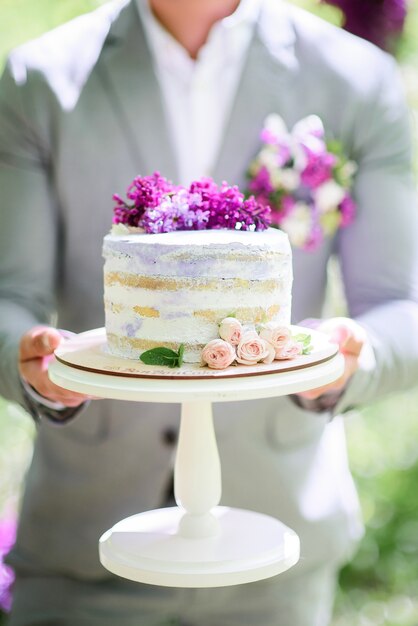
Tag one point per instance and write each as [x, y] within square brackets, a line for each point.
[80, 115]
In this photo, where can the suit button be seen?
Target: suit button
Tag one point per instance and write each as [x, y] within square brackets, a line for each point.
[169, 436]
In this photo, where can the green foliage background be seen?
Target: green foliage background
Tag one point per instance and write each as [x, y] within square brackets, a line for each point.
[380, 586]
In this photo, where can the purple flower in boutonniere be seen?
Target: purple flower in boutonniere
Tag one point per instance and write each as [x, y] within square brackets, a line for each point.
[318, 168]
[304, 179]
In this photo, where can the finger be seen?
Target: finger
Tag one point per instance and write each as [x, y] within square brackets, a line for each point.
[339, 335]
[337, 329]
[70, 404]
[313, 394]
[39, 341]
[36, 374]
[350, 366]
[353, 345]
[347, 333]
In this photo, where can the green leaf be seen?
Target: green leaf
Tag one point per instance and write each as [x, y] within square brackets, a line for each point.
[330, 221]
[306, 341]
[160, 356]
[335, 147]
[180, 355]
[302, 338]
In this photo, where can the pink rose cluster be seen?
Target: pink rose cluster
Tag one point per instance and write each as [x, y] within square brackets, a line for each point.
[236, 343]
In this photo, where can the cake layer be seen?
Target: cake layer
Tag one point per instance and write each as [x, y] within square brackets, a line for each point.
[174, 288]
[130, 348]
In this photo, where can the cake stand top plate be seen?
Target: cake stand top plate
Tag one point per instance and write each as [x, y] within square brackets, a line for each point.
[83, 364]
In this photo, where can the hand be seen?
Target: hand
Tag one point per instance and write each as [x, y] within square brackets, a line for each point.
[36, 350]
[350, 338]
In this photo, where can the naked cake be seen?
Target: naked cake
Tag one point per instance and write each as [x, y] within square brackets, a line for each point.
[178, 261]
[175, 288]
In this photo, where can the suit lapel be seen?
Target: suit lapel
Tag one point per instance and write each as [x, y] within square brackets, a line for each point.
[265, 87]
[125, 69]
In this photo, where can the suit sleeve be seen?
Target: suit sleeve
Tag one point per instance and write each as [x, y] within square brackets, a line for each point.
[379, 251]
[29, 226]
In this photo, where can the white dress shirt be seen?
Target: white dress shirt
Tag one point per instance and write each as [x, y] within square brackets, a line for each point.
[198, 94]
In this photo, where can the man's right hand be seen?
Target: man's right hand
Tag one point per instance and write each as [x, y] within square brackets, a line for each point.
[36, 350]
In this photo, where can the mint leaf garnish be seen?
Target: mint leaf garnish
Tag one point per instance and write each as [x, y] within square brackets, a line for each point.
[180, 355]
[163, 356]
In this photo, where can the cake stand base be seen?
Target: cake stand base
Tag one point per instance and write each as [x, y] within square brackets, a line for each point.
[197, 544]
[247, 547]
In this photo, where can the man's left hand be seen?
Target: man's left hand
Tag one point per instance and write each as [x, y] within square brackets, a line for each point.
[350, 337]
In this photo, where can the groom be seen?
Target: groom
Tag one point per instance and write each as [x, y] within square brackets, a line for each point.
[183, 87]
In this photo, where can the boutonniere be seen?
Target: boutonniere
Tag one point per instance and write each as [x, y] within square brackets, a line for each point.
[305, 179]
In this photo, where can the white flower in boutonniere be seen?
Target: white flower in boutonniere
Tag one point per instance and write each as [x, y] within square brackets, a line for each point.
[328, 195]
[305, 179]
[298, 224]
[290, 179]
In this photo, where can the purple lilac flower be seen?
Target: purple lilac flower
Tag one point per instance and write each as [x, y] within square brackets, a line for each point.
[348, 210]
[6, 581]
[145, 192]
[162, 219]
[318, 169]
[255, 215]
[205, 187]
[261, 183]
[7, 539]
[316, 235]
[375, 20]
[197, 220]
[286, 206]
[159, 207]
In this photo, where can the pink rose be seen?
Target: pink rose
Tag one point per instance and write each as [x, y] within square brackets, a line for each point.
[290, 350]
[230, 329]
[271, 355]
[252, 349]
[278, 336]
[218, 354]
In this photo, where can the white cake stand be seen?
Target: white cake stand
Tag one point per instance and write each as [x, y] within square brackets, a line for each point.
[197, 543]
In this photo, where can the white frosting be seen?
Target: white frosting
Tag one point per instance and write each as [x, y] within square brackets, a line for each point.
[176, 287]
[270, 239]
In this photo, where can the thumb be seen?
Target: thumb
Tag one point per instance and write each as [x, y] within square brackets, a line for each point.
[39, 342]
[345, 332]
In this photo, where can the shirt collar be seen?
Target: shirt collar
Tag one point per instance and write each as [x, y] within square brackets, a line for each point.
[232, 30]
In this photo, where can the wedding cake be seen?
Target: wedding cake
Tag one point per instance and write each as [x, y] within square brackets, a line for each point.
[175, 288]
[179, 261]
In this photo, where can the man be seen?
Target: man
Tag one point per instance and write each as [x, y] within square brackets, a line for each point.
[184, 89]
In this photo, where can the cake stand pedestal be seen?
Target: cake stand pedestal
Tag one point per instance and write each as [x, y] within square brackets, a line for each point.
[197, 543]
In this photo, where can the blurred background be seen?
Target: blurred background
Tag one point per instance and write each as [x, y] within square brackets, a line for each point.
[380, 586]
